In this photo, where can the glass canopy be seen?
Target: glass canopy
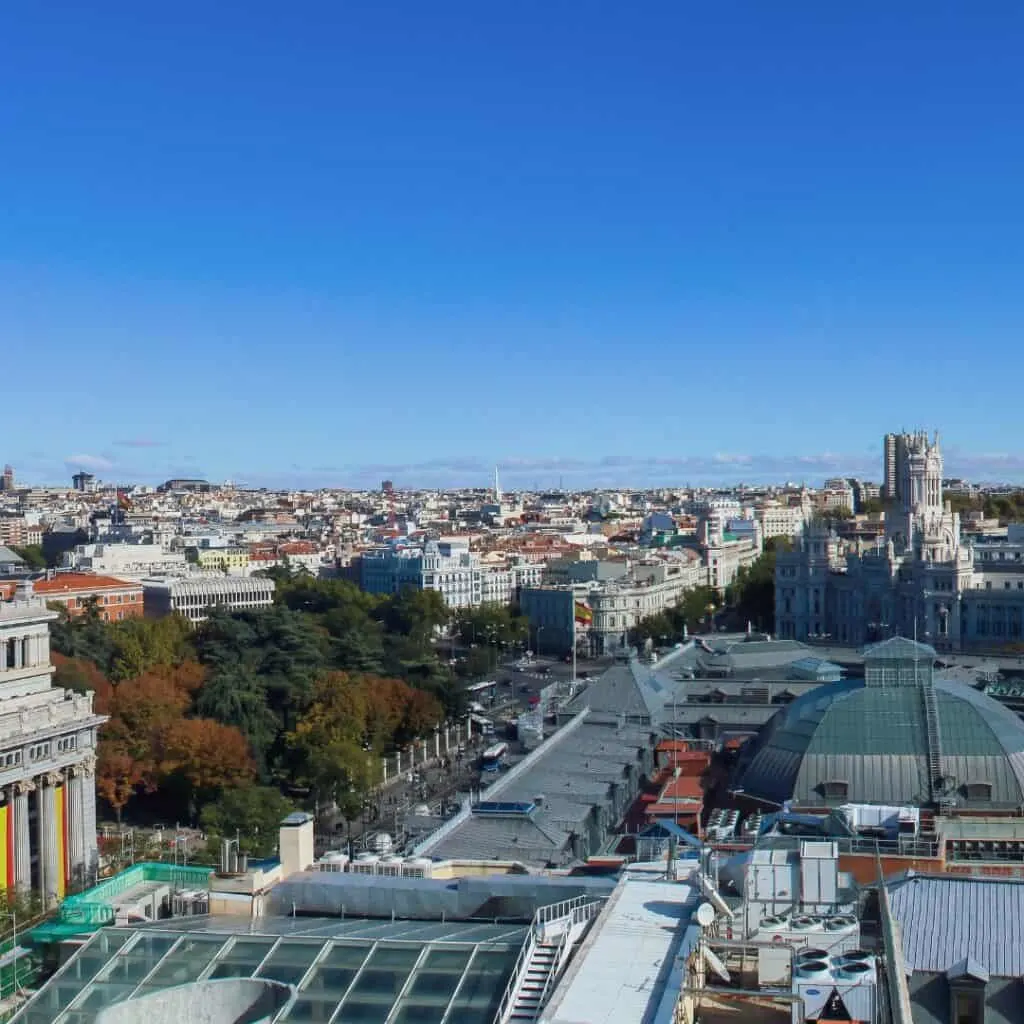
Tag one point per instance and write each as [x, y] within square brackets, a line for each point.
[346, 972]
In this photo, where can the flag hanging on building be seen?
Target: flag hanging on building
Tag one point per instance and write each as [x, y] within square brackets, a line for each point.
[123, 501]
[584, 616]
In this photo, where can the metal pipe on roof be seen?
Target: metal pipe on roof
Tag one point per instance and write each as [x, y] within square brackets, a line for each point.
[779, 994]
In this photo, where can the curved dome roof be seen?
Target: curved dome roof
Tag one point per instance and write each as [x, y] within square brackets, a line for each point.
[850, 742]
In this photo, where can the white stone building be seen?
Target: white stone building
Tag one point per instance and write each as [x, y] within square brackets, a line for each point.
[618, 606]
[924, 578]
[47, 761]
[780, 520]
[126, 560]
[448, 567]
[194, 596]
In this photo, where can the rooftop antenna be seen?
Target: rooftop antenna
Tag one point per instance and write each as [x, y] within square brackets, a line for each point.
[497, 487]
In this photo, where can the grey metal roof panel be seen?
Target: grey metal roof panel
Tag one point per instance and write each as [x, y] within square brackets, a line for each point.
[875, 740]
[946, 919]
[899, 648]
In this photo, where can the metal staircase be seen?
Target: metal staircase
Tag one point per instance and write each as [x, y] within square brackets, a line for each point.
[535, 984]
[554, 933]
[936, 773]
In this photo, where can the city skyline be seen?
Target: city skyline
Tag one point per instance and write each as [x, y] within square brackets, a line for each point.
[720, 469]
[566, 237]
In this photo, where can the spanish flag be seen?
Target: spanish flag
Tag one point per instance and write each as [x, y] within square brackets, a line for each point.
[123, 501]
[584, 615]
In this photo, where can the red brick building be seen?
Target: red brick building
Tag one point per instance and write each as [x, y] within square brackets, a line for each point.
[116, 599]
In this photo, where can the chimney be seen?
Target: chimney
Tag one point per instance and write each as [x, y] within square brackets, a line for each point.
[296, 843]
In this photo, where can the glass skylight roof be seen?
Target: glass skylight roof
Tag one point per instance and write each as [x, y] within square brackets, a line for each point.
[346, 972]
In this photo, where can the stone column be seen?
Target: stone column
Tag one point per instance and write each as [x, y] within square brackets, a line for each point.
[87, 792]
[76, 833]
[3, 655]
[22, 838]
[17, 653]
[49, 832]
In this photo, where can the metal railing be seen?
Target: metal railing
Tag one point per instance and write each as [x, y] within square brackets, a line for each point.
[578, 910]
[94, 907]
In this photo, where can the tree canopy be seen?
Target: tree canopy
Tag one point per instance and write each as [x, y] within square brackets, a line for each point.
[317, 687]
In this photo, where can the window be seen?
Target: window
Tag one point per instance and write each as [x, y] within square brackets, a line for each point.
[968, 1007]
[834, 790]
[978, 790]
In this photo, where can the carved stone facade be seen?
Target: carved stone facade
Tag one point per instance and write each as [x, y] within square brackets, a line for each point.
[924, 578]
[47, 761]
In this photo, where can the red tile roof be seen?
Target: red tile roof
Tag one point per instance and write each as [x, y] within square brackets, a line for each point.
[81, 582]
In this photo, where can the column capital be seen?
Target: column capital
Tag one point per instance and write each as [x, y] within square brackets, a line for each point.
[24, 786]
[87, 766]
[52, 778]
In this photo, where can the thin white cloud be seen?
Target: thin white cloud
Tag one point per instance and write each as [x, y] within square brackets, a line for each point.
[140, 442]
[91, 463]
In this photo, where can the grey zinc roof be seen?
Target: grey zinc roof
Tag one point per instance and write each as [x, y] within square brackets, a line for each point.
[945, 919]
[575, 772]
[875, 740]
[899, 648]
[9, 557]
[627, 688]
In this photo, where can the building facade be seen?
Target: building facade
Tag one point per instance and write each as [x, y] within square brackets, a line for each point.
[114, 599]
[780, 520]
[448, 567]
[47, 760]
[924, 577]
[132, 560]
[194, 597]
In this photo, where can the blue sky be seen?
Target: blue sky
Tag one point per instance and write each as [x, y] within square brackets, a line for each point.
[330, 242]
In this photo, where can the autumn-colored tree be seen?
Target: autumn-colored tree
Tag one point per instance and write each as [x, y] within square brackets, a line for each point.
[118, 777]
[207, 755]
[421, 714]
[149, 703]
[82, 675]
[328, 742]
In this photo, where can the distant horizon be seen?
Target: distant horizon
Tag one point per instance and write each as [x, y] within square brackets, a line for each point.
[609, 473]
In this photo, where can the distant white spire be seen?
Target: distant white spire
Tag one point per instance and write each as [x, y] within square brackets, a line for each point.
[497, 487]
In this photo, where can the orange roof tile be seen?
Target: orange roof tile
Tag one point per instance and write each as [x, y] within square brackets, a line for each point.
[81, 582]
[685, 787]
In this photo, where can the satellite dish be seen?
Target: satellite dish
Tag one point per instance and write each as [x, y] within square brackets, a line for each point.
[712, 960]
[705, 915]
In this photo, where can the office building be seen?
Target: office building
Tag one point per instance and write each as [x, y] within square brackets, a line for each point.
[194, 597]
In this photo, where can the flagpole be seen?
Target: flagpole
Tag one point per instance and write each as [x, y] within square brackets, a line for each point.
[574, 637]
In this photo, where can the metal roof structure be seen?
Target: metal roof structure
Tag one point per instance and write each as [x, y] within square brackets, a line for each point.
[946, 918]
[957, 929]
[625, 970]
[899, 648]
[629, 688]
[471, 899]
[871, 744]
[348, 971]
[581, 780]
